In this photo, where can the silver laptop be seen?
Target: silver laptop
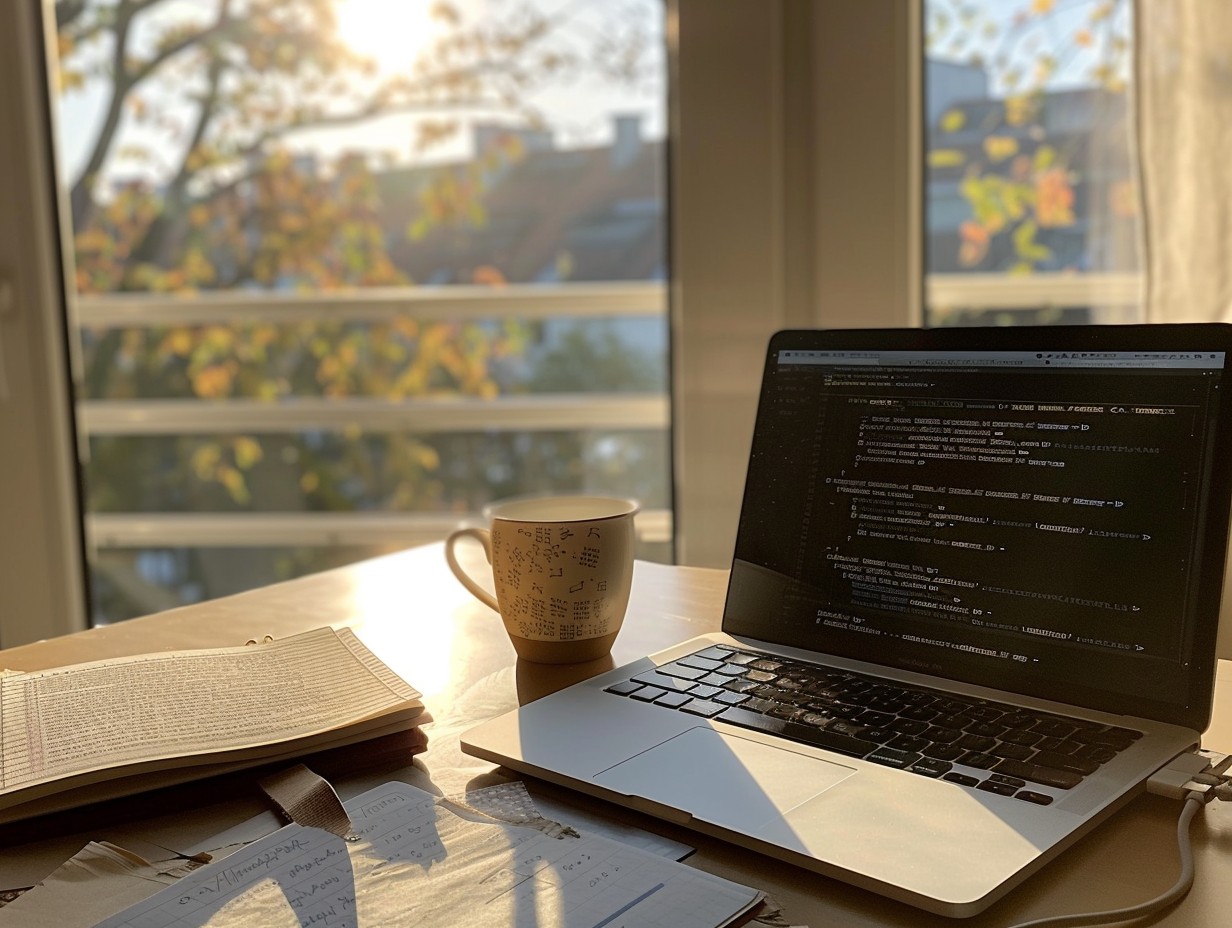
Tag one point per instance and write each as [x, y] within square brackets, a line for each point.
[972, 608]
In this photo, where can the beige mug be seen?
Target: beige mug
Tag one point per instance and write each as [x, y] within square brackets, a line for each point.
[562, 567]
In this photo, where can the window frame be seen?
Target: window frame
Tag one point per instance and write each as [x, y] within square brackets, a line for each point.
[810, 213]
[42, 580]
[808, 216]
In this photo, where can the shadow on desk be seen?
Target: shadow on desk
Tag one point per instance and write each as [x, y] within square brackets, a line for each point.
[535, 681]
[388, 753]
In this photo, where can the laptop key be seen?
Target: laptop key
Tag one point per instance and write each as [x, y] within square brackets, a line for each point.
[976, 742]
[1027, 795]
[1045, 776]
[1001, 789]
[1065, 762]
[648, 693]
[796, 731]
[624, 687]
[727, 697]
[1012, 751]
[979, 760]
[892, 757]
[1117, 738]
[909, 743]
[740, 686]
[755, 704]
[663, 681]
[677, 669]
[928, 767]
[1096, 753]
[1054, 727]
[703, 707]
[701, 663]
[740, 657]
[765, 664]
[761, 676]
[791, 713]
[673, 700]
[945, 752]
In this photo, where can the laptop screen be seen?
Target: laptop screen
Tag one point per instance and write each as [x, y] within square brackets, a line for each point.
[1041, 511]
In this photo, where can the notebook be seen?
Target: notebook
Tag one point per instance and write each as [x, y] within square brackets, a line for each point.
[972, 608]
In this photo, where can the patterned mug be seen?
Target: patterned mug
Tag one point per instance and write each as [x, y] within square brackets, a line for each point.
[562, 567]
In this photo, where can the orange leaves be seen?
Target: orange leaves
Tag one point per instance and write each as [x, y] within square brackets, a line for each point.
[974, 243]
[487, 275]
[214, 380]
[1054, 198]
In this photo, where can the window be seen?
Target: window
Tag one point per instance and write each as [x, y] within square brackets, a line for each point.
[1030, 195]
[345, 271]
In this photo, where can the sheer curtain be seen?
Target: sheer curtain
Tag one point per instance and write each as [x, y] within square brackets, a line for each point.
[1184, 86]
[1184, 109]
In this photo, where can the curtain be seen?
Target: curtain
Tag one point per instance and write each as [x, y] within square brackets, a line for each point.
[1184, 124]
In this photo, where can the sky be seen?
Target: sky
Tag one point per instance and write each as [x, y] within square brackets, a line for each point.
[391, 32]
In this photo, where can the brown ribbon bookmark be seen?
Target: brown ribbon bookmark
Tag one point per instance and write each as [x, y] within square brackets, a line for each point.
[307, 799]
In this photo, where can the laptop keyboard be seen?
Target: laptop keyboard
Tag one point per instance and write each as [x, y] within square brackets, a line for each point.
[984, 745]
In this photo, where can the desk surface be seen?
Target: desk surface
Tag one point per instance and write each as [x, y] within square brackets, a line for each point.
[410, 610]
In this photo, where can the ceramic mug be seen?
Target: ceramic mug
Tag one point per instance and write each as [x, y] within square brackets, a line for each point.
[562, 567]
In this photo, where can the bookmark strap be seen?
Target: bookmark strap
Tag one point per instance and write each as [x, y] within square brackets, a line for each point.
[308, 799]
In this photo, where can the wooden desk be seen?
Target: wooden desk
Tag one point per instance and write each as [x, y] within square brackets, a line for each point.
[410, 610]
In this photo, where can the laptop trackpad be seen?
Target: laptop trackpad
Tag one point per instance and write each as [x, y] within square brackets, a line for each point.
[724, 779]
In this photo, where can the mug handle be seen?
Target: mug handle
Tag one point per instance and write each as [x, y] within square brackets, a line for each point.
[484, 537]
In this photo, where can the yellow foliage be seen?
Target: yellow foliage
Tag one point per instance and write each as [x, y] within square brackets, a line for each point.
[178, 342]
[945, 158]
[1019, 109]
[426, 457]
[953, 120]
[233, 480]
[205, 461]
[1000, 147]
[247, 452]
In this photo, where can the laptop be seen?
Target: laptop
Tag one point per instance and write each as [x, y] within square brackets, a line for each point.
[972, 608]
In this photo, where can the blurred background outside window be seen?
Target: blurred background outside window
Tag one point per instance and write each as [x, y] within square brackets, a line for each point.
[1031, 198]
[342, 272]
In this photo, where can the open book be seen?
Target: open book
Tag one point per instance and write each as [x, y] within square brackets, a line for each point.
[88, 732]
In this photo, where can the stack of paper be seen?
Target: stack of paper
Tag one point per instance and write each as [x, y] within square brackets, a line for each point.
[88, 732]
[417, 863]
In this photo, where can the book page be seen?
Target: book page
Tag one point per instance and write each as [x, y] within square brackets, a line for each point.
[417, 863]
[68, 721]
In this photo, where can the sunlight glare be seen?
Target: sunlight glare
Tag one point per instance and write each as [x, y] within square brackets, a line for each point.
[404, 626]
[391, 32]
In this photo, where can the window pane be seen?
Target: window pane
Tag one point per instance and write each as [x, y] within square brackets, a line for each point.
[357, 259]
[1031, 204]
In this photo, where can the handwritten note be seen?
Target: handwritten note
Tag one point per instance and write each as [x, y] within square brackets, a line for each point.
[417, 863]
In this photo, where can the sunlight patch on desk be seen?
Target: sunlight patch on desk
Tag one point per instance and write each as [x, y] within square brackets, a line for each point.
[416, 643]
[724, 779]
